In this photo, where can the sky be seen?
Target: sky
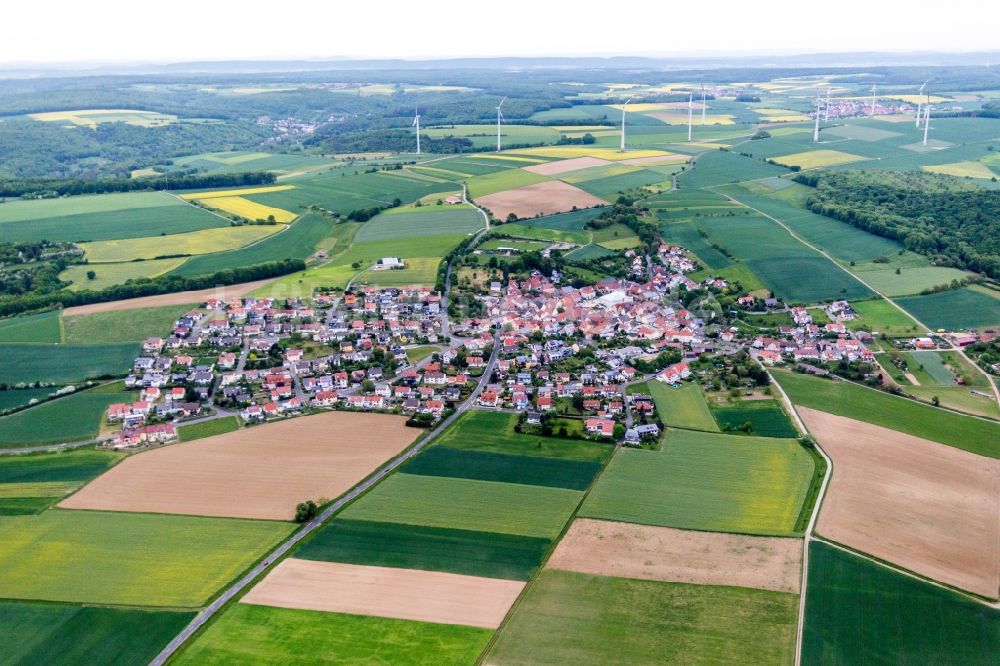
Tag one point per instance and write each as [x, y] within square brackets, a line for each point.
[71, 31]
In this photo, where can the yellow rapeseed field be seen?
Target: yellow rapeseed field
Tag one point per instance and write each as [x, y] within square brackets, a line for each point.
[237, 193]
[195, 242]
[962, 169]
[251, 210]
[567, 152]
[811, 159]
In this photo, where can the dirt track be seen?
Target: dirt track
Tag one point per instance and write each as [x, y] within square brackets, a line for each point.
[924, 506]
[176, 298]
[408, 594]
[260, 472]
[662, 553]
[546, 198]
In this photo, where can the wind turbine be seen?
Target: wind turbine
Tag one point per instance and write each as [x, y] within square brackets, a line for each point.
[919, 95]
[927, 120]
[499, 120]
[416, 123]
[690, 113]
[826, 110]
[623, 122]
[702, 103]
[816, 128]
[874, 91]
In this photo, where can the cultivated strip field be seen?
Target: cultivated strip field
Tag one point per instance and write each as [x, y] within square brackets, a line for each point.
[538, 199]
[679, 556]
[261, 472]
[406, 594]
[176, 298]
[927, 507]
[566, 166]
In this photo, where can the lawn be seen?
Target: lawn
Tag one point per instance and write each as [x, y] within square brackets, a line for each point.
[466, 504]
[193, 242]
[423, 221]
[573, 618]
[124, 325]
[861, 612]
[127, 558]
[220, 426]
[466, 552]
[42, 327]
[494, 431]
[64, 364]
[504, 468]
[955, 309]
[417, 354]
[38, 633]
[706, 481]
[766, 418]
[872, 406]
[881, 316]
[683, 407]
[491, 183]
[247, 634]
[73, 418]
[29, 484]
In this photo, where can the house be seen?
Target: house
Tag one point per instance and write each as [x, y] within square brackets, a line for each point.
[388, 263]
[252, 413]
[154, 434]
[544, 404]
[325, 398]
[636, 434]
[602, 427]
[489, 399]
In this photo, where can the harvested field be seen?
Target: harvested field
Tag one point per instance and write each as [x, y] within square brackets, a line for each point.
[177, 298]
[566, 166]
[405, 594]
[656, 159]
[924, 506]
[607, 548]
[538, 199]
[262, 472]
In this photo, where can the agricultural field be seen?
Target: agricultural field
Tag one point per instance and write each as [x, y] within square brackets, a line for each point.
[485, 136]
[963, 170]
[39, 633]
[717, 167]
[499, 181]
[682, 407]
[261, 473]
[10, 398]
[240, 207]
[858, 611]
[946, 536]
[287, 166]
[131, 559]
[504, 468]
[175, 298]
[766, 418]
[536, 200]
[64, 364]
[247, 633]
[91, 118]
[953, 310]
[108, 275]
[813, 159]
[30, 484]
[123, 325]
[219, 426]
[44, 327]
[881, 316]
[72, 418]
[194, 242]
[878, 408]
[423, 221]
[568, 617]
[706, 481]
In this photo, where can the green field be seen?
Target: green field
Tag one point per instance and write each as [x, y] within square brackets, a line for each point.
[75, 417]
[124, 325]
[37, 633]
[881, 316]
[932, 365]
[466, 504]
[494, 431]
[765, 417]
[422, 221]
[859, 612]
[682, 407]
[417, 354]
[480, 186]
[64, 364]
[29, 484]
[913, 418]
[956, 309]
[429, 548]
[588, 252]
[706, 481]
[186, 433]
[686, 235]
[573, 618]
[247, 634]
[527, 230]
[108, 275]
[101, 217]
[193, 242]
[419, 270]
[504, 467]
[42, 327]
[10, 398]
[610, 186]
[127, 558]
[717, 167]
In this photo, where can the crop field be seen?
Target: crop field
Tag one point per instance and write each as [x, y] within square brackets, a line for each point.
[956, 309]
[93, 117]
[881, 316]
[423, 221]
[220, 426]
[933, 365]
[123, 325]
[576, 618]
[468, 552]
[175, 298]
[234, 162]
[687, 236]
[10, 398]
[267, 635]
[610, 186]
[504, 468]
[539, 199]
[604, 548]
[766, 418]
[681, 118]
[64, 364]
[108, 275]
[915, 274]
[813, 159]
[907, 416]
[575, 165]
[68, 419]
[718, 167]
[262, 472]
[194, 242]
[485, 136]
[498, 181]
[567, 152]
[526, 229]
[250, 210]
[861, 612]
[101, 217]
[683, 407]
[588, 252]
[133, 559]
[419, 270]
[42, 327]
[466, 504]
[861, 132]
[29, 484]
[36, 633]
[494, 432]
[706, 481]
[781, 115]
[966, 169]
[945, 535]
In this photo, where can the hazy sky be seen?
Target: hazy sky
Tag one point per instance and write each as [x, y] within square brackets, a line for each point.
[175, 30]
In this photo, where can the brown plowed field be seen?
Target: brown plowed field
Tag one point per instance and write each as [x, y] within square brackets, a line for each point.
[546, 198]
[407, 594]
[927, 507]
[566, 166]
[606, 548]
[259, 472]
[177, 298]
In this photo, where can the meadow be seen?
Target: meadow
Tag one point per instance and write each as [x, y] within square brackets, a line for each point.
[248, 633]
[872, 406]
[194, 242]
[706, 481]
[220, 426]
[38, 633]
[418, 270]
[955, 309]
[494, 432]
[64, 364]
[766, 418]
[75, 417]
[489, 506]
[578, 618]
[43, 327]
[123, 325]
[909, 280]
[133, 559]
[29, 484]
[387, 544]
[879, 315]
[682, 407]
[504, 468]
[859, 611]
[108, 275]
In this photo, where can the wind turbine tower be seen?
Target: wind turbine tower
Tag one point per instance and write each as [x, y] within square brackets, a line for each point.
[816, 127]
[874, 92]
[826, 110]
[690, 113]
[623, 122]
[416, 123]
[927, 121]
[499, 120]
[703, 104]
[919, 95]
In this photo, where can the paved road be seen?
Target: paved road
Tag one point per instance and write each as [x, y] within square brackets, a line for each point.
[239, 586]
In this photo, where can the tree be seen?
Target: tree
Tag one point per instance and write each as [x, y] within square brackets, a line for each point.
[91, 275]
[936, 401]
[619, 431]
[306, 511]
